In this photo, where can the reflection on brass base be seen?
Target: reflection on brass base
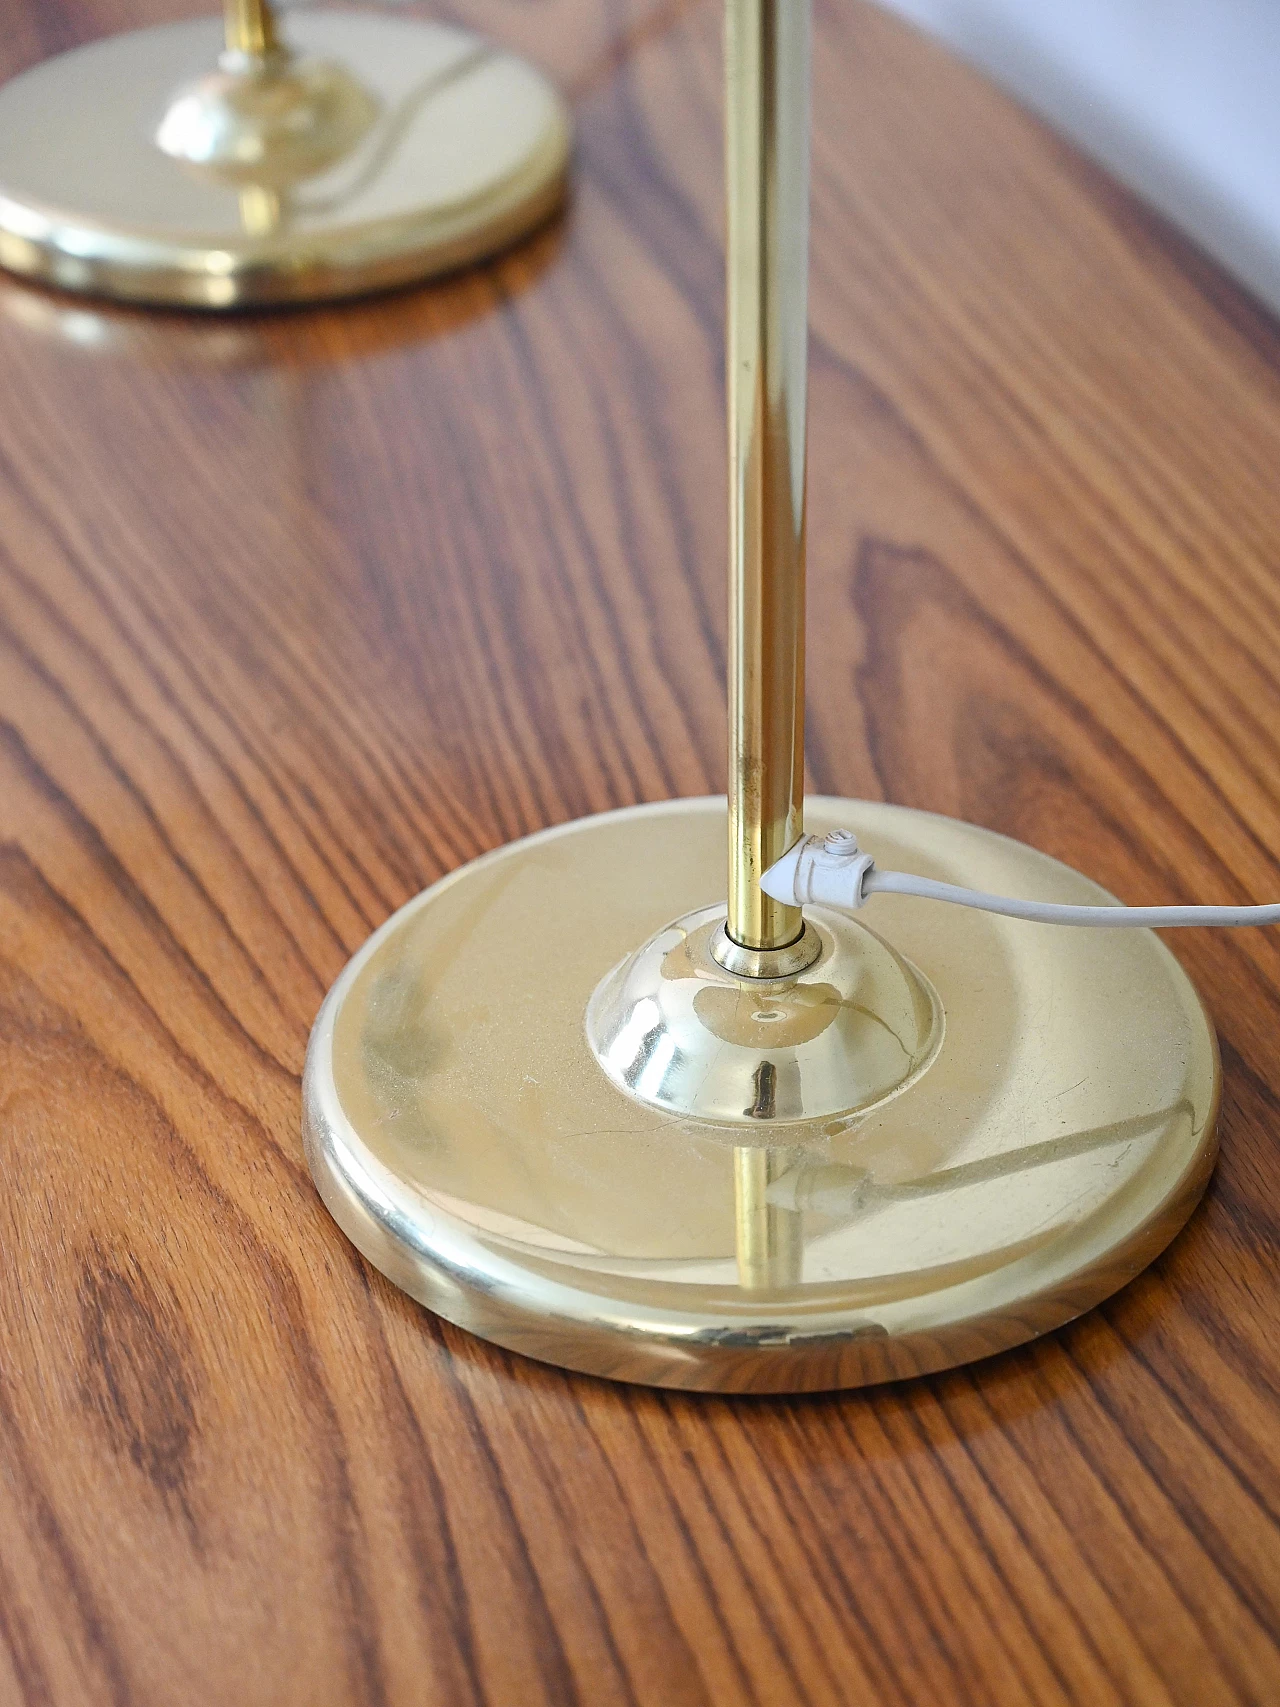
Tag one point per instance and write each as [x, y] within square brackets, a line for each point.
[467, 1140]
[853, 1026]
[446, 150]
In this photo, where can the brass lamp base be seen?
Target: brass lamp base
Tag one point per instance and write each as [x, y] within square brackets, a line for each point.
[1048, 1128]
[385, 150]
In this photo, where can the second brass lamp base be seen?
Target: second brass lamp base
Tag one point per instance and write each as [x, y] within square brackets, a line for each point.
[372, 152]
[946, 1135]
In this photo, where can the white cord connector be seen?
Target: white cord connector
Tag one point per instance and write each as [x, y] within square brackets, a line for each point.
[833, 872]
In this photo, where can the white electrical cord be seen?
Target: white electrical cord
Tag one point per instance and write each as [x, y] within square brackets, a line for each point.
[834, 872]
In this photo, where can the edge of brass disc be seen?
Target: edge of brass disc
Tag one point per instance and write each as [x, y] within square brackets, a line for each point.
[467, 1142]
[467, 152]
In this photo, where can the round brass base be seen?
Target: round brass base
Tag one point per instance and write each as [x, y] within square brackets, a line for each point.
[459, 150]
[466, 1138]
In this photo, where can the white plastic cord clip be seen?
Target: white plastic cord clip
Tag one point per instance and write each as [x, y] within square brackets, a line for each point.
[832, 872]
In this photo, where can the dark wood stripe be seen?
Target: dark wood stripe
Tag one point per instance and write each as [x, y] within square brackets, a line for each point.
[301, 610]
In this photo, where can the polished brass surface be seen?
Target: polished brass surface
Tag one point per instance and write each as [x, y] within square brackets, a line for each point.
[851, 1026]
[763, 962]
[266, 120]
[461, 1131]
[366, 151]
[767, 179]
[768, 1237]
[250, 28]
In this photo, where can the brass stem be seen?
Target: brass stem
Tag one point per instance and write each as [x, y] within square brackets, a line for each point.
[769, 1240]
[250, 28]
[260, 210]
[767, 172]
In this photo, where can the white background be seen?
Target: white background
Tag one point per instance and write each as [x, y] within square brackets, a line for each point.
[1179, 98]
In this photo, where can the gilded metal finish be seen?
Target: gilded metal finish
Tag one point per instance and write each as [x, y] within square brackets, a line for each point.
[265, 121]
[370, 152]
[462, 1133]
[769, 1237]
[763, 962]
[767, 177]
[250, 28]
[852, 1026]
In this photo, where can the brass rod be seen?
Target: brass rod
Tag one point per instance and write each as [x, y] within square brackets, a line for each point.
[767, 176]
[769, 1240]
[250, 28]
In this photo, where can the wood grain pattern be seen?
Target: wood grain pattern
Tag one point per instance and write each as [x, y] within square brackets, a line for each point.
[298, 611]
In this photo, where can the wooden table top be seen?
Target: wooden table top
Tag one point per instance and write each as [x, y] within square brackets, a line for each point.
[299, 611]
